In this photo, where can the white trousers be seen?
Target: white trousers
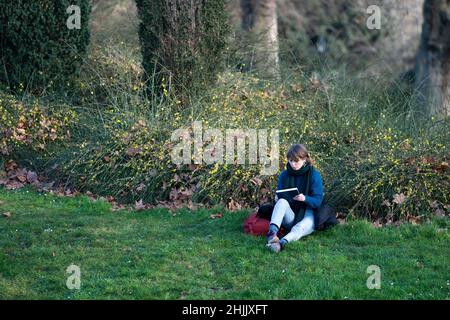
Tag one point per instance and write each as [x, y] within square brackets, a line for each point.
[283, 215]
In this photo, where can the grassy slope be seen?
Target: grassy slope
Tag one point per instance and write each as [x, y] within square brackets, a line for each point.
[155, 255]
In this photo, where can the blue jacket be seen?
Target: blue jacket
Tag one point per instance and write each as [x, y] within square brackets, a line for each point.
[313, 200]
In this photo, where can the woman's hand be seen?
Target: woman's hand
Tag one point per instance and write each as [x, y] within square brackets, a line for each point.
[299, 197]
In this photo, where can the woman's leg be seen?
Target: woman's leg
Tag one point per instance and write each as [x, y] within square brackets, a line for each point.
[302, 228]
[282, 214]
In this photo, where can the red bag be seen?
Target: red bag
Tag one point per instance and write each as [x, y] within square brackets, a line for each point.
[257, 226]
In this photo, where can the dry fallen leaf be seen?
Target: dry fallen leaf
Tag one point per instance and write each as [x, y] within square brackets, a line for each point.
[444, 165]
[191, 205]
[186, 193]
[133, 151]
[256, 181]
[13, 184]
[377, 224]
[315, 82]
[386, 203]
[139, 205]
[116, 207]
[399, 198]
[173, 195]
[233, 205]
[10, 165]
[46, 186]
[31, 176]
[434, 204]
[427, 160]
[140, 187]
[415, 220]
[21, 175]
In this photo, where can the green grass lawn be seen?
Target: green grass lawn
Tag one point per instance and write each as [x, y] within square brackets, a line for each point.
[154, 254]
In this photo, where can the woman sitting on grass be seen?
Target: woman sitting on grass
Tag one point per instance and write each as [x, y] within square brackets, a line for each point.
[295, 214]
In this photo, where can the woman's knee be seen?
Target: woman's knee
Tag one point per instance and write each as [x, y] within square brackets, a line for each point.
[307, 223]
[282, 202]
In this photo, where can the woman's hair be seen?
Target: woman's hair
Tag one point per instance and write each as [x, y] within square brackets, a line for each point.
[299, 151]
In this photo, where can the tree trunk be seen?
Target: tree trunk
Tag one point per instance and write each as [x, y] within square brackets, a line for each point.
[433, 59]
[259, 18]
[403, 20]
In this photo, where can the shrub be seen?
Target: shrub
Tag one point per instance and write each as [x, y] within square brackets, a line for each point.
[109, 75]
[379, 161]
[182, 42]
[375, 161]
[30, 129]
[372, 163]
[38, 49]
[385, 174]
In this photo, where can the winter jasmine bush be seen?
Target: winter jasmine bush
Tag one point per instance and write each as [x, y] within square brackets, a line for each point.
[377, 160]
